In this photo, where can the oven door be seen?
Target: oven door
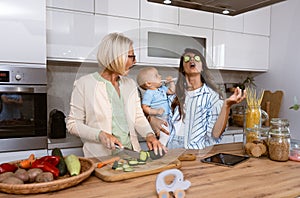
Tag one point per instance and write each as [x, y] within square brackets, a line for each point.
[23, 117]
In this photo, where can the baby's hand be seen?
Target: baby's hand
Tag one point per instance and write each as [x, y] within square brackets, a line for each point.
[169, 79]
[160, 111]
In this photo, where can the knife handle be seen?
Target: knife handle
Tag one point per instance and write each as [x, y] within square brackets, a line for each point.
[187, 157]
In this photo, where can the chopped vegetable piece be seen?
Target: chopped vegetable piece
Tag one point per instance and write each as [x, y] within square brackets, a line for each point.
[128, 169]
[133, 162]
[105, 162]
[115, 165]
[144, 155]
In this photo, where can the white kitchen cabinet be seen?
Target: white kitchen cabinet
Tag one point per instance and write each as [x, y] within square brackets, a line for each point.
[128, 8]
[229, 23]
[195, 18]
[258, 21]
[70, 35]
[68, 151]
[75, 36]
[77, 5]
[238, 51]
[159, 12]
[200, 33]
[238, 137]
[227, 139]
[23, 31]
[18, 155]
[126, 26]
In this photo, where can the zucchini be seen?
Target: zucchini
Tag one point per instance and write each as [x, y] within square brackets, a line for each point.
[61, 165]
[73, 164]
[155, 157]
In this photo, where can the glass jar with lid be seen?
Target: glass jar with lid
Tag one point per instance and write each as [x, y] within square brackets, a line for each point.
[279, 140]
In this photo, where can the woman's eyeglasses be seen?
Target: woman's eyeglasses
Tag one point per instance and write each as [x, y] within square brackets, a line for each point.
[187, 58]
[132, 56]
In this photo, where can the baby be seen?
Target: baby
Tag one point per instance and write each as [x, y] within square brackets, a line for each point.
[155, 100]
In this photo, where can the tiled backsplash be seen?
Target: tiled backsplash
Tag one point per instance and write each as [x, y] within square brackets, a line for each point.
[61, 76]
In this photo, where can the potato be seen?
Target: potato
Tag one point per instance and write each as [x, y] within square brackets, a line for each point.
[44, 177]
[33, 173]
[5, 175]
[22, 174]
[12, 180]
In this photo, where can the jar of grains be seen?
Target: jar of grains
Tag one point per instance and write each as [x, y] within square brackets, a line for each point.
[279, 140]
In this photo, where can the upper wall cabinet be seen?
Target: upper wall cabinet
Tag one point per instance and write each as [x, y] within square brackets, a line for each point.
[76, 36]
[109, 24]
[195, 18]
[70, 35]
[77, 5]
[158, 12]
[238, 51]
[258, 21]
[229, 23]
[128, 8]
[23, 31]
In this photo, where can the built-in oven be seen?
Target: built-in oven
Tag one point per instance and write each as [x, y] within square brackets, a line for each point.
[23, 111]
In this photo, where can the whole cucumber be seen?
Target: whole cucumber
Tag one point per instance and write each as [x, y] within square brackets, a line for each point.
[61, 165]
[73, 164]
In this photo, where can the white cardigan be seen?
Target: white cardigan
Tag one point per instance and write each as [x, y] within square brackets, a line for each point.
[91, 112]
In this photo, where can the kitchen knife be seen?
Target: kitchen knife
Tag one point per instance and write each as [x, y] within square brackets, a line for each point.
[127, 151]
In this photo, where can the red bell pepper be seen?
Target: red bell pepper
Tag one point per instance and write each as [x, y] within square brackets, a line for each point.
[47, 164]
[7, 167]
[54, 160]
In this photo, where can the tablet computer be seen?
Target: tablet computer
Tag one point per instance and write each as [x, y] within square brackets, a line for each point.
[225, 159]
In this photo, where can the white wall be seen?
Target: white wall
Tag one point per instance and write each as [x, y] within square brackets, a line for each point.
[284, 68]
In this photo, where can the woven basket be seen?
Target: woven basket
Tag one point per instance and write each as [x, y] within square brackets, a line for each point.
[238, 119]
[87, 167]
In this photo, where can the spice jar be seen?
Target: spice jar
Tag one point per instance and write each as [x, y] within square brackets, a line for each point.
[279, 140]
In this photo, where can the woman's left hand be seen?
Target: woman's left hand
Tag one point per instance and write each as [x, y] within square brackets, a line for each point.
[237, 97]
[154, 144]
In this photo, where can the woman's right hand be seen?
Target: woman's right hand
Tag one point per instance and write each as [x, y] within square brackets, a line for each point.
[109, 141]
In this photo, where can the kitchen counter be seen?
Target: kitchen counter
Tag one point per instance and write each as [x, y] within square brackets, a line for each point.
[70, 141]
[253, 178]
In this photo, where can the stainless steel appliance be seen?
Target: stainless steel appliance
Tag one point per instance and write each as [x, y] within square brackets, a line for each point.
[23, 117]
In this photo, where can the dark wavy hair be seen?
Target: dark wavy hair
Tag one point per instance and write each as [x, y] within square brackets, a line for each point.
[182, 85]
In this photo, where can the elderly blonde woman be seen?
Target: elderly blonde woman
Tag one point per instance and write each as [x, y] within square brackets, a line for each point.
[105, 106]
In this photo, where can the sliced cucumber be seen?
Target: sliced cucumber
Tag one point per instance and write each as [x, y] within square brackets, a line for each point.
[144, 155]
[128, 169]
[141, 162]
[133, 162]
[120, 168]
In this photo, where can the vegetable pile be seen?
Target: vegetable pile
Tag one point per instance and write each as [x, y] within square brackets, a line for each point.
[44, 169]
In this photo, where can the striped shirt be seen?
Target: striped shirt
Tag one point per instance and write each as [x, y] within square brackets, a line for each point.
[202, 107]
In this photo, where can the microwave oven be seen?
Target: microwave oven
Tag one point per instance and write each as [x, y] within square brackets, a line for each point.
[163, 44]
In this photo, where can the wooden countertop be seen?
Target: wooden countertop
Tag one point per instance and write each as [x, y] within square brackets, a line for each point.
[253, 178]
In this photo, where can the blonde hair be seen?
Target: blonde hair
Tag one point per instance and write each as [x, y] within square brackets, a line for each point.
[144, 76]
[113, 52]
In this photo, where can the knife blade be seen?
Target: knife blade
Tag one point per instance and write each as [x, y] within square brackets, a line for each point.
[127, 151]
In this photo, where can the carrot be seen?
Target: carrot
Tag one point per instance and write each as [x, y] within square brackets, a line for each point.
[26, 163]
[108, 161]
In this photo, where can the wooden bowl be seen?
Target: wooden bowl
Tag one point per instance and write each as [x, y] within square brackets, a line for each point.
[87, 167]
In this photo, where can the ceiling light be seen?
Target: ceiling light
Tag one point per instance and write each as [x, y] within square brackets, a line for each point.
[167, 1]
[225, 11]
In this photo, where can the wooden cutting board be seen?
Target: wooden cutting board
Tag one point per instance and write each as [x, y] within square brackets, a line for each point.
[169, 161]
[271, 103]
